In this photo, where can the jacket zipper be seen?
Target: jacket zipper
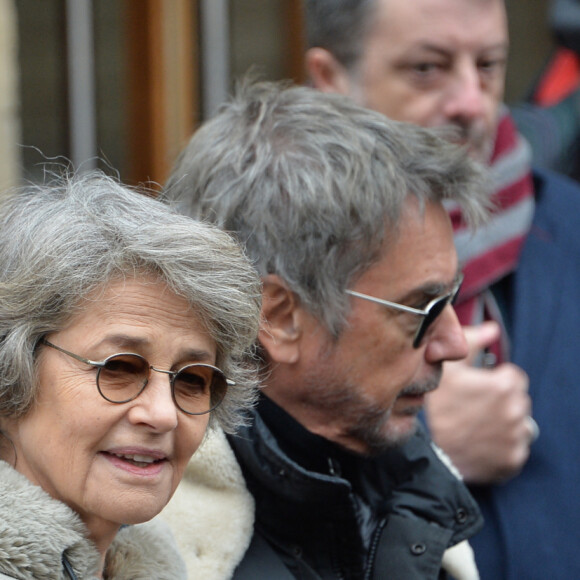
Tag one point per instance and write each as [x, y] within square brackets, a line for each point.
[373, 549]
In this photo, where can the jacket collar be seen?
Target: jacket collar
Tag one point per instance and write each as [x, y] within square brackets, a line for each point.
[415, 478]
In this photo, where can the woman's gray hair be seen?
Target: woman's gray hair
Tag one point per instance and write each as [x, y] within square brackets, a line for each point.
[63, 241]
[310, 182]
[339, 26]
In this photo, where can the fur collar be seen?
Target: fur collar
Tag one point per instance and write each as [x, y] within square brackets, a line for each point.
[35, 531]
[212, 511]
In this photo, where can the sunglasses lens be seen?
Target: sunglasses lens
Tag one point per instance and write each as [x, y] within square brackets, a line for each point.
[455, 294]
[199, 388]
[435, 309]
[122, 377]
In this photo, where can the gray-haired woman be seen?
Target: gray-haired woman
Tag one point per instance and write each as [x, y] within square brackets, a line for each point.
[125, 329]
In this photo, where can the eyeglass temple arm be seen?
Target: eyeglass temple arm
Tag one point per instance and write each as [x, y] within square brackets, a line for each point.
[387, 303]
[72, 354]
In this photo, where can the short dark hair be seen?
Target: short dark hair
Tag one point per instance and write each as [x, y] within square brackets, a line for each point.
[339, 26]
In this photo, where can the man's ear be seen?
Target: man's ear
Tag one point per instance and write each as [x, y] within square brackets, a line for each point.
[325, 72]
[281, 330]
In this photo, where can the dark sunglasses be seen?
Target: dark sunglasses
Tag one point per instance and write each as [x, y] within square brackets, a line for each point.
[429, 314]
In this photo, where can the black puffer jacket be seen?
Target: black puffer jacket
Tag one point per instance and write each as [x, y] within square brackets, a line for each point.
[348, 517]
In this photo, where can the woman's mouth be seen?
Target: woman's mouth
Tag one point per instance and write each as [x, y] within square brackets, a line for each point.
[136, 463]
[139, 460]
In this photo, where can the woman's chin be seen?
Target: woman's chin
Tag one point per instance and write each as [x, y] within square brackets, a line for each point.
[143, 513]
[136, 511]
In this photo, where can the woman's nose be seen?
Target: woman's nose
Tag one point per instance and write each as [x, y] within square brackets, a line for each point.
[155, 406]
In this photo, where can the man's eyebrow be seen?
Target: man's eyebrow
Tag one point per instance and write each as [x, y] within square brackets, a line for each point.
[434, 289]
[428, 46]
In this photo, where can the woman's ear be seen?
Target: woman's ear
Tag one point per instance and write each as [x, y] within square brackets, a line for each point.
[325, 72]
[281, 330]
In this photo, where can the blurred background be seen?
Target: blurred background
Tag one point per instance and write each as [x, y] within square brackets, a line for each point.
[122, 84]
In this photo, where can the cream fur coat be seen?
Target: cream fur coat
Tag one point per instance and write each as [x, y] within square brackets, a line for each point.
[212, 512]
[36, 529]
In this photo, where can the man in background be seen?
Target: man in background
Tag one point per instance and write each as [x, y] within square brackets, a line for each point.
[442, 62]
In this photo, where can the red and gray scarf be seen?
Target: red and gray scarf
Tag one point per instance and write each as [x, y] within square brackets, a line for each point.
[491, 252]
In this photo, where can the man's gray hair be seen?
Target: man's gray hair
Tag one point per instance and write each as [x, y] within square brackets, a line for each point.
[65, 241]
[339, 26]
[310, 182]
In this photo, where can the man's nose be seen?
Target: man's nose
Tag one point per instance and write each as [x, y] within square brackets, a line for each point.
[446, 339]
[465, 101]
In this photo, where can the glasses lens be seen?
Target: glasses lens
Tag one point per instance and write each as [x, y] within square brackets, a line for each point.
[199, 389]
[122, 377]
[435, 309]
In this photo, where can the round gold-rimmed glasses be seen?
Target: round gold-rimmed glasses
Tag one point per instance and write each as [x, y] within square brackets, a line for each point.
[196, 388]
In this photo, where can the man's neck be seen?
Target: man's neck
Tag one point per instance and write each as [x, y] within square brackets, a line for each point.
[309, 450]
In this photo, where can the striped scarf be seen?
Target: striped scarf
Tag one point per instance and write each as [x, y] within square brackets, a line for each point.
[492, 251]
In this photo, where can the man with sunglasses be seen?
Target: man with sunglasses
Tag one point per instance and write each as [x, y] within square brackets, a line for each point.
[342, 213]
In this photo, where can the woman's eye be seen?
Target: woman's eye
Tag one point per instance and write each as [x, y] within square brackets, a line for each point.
[192, 383]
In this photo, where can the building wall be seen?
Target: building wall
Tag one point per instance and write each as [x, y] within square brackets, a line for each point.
[9, 108]
[531, 44]
[33, 97]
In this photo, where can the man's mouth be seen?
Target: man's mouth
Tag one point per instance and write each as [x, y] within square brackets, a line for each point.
[475, 139]
[418, 389]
